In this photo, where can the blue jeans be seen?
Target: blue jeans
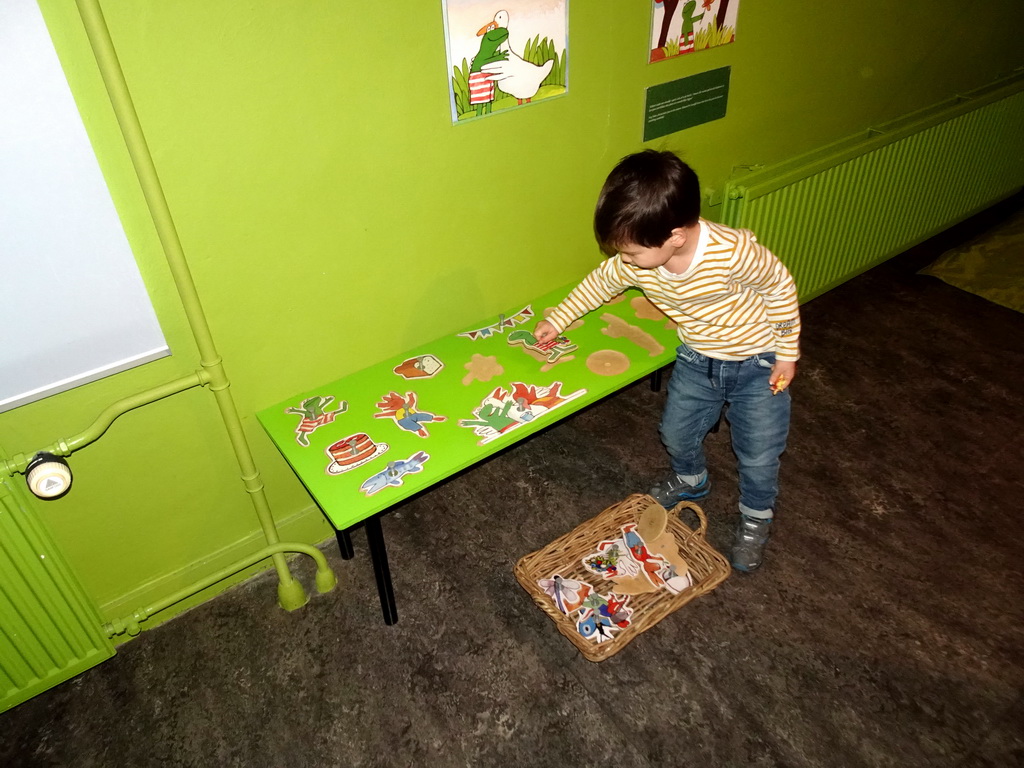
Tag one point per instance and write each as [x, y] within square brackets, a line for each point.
[759, 421]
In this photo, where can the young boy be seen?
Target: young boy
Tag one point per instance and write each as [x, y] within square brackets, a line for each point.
[739, 323]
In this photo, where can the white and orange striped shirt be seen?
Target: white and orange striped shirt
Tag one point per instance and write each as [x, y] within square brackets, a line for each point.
[735, 300]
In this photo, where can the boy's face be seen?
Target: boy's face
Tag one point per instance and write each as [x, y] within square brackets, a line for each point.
[647, 257]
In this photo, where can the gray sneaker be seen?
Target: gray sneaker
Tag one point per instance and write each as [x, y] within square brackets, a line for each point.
[674, 489]
[752, 536]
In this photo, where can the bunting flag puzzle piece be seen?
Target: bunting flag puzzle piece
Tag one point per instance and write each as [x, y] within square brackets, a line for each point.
[520, 317]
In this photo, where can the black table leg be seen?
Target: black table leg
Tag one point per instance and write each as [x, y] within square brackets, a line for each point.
[656, 380]
[379, 555]
[344, 544]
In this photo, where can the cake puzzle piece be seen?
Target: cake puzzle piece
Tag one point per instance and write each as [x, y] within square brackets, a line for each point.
[353, 451]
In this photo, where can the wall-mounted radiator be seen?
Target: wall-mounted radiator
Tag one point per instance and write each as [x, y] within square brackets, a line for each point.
[833, 213]
[49, 629]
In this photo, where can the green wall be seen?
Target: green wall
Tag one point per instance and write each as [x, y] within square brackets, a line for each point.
[333, 216]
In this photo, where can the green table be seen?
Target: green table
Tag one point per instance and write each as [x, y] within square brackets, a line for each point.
[352, 441]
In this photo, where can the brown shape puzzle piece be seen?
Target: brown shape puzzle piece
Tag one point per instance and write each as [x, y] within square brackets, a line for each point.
[619, 328]
[482, 368]
[608, 362]
[652, 527]
[645, 309]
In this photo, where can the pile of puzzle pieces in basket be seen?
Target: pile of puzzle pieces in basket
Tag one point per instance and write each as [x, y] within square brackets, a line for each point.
[644, 559]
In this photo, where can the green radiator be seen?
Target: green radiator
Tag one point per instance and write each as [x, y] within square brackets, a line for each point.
[49, 629]
[833, 213]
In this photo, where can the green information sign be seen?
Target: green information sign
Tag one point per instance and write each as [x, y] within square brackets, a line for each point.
[685, 103]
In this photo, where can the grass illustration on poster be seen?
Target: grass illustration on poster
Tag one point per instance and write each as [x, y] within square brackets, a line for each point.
[679, 28]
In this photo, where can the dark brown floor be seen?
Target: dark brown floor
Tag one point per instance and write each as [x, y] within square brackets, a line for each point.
[887, 628]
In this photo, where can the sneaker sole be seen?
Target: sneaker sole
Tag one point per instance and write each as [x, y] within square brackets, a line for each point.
[744, 568]
[687, 496]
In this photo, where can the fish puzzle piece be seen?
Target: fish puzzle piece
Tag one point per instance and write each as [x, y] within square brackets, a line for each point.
[396, 470]
[552, 350]
[619, 328]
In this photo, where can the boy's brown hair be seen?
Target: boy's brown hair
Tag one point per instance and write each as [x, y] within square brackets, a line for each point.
[645, 197]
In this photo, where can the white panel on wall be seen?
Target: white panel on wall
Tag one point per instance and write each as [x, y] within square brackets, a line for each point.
[73, 307]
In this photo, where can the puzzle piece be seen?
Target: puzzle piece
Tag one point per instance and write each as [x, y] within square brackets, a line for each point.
[482, 368]
[619, 328]
[552, 350]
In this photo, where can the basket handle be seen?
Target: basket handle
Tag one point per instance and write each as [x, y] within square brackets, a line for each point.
[699, 512]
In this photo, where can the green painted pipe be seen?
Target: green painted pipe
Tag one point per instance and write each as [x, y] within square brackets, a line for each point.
[290, 592]
[325, 581]
[20, 462]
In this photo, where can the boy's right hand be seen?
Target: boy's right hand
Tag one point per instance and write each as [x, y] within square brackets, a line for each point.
[544, 331]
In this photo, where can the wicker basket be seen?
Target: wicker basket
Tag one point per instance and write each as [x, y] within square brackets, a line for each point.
[565, 556]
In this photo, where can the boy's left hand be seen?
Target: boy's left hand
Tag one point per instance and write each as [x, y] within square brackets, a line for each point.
[783, 373]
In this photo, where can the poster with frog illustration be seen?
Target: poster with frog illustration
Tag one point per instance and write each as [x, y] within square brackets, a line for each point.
[679, 27]
[504, 54]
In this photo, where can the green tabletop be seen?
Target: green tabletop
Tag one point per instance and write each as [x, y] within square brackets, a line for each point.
[360, 444]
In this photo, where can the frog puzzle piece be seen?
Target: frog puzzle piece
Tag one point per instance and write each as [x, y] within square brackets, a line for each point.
[553, 349]
[490, 415]
[314, 416]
